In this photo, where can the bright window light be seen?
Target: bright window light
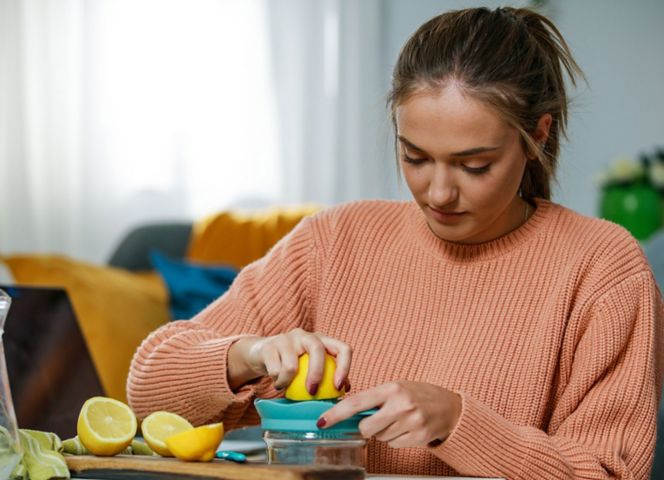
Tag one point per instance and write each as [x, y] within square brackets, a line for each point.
[182, 99]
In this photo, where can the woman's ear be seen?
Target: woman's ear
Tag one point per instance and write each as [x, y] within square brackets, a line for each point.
[541, 133]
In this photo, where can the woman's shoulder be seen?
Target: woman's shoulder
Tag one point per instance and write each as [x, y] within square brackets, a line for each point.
[352, 222]
[364, 213]
[601, 242]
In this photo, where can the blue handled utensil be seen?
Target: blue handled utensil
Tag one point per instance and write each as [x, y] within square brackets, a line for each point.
[232, 456]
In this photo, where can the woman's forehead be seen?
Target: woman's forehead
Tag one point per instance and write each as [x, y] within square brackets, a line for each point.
[448, 120]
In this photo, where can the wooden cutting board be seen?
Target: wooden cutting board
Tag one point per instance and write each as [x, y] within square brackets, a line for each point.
[128, 467]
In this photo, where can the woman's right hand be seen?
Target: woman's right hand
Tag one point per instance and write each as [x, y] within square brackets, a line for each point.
[278, 357]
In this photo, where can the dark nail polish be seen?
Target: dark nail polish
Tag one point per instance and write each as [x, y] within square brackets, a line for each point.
[313, 389]
[321, 422]
[347, 386]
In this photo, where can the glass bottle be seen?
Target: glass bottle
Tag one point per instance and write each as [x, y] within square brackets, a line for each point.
[10, 447]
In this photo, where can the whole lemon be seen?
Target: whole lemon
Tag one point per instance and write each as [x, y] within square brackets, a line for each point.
[297, 389]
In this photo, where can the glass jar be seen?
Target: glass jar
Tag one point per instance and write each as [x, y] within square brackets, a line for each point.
[316, 448]
[10, 447]
[293, 437]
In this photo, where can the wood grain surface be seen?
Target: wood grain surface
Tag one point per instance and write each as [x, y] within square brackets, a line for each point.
[123, 467]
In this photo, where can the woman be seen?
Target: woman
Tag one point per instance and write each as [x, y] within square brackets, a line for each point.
[499, 333]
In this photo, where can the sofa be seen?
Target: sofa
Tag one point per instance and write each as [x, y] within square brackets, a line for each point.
[119, 304]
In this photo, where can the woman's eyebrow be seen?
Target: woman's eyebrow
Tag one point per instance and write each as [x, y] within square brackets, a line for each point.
[473, 151]
[463, 153]
[410, 144]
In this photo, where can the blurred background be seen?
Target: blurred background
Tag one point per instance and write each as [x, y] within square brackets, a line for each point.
[115, 113]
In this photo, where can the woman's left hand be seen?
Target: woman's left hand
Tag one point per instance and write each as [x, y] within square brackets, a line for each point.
[412, 414]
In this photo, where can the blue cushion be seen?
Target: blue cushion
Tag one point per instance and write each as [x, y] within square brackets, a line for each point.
[191, 287]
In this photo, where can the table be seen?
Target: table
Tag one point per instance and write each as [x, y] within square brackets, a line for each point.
[384, 477]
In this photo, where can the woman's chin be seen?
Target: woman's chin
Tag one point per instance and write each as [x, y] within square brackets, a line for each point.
[455, 234]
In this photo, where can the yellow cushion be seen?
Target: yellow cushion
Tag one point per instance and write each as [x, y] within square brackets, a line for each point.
[237, 239]
[116, 309]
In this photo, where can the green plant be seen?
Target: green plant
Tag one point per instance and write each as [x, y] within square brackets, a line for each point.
[647, 170]
[633, 194]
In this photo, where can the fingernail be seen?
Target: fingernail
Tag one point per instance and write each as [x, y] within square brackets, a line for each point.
[313, 389]
[347, 386]
[321, 422]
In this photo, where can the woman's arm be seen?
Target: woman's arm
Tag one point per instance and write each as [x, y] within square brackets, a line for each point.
[603, 423]
[184, 366]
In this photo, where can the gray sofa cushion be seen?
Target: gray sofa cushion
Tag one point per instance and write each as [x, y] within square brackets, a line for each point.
[133, 251]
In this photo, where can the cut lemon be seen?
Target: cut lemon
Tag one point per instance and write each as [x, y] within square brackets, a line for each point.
[106, 426]
[158, 426]
[198, 444]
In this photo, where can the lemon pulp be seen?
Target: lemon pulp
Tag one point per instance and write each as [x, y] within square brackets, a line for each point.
[158, 426]
[106, 426]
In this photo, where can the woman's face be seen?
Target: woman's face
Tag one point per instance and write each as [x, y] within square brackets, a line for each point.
[463, 165]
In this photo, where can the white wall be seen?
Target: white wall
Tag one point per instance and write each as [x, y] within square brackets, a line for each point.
[620, 47]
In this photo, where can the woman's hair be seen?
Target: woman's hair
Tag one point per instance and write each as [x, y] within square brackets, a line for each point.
[510, 58]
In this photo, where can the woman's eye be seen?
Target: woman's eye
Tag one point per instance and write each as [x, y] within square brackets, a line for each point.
[413, 160]
[477, 170]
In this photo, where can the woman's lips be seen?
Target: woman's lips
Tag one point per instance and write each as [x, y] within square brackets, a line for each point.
[447, 218]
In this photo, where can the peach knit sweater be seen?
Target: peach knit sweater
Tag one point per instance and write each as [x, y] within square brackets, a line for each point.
[552, 335]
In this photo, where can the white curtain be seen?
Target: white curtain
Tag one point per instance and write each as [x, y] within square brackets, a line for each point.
[117, 112]
[328, 60]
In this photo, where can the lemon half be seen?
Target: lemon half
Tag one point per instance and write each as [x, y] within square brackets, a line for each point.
[197, 444]
[106, 426]
[158, 426]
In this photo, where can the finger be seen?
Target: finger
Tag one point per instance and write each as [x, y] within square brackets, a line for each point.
[316, 351]
[383, 429]
[379, 423]
[348, 407]
[289, 364]
[404, 440]
[272, 361]
[343, 355]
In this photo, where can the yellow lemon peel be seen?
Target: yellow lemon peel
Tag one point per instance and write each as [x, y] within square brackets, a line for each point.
[297, 390]
[198, 444]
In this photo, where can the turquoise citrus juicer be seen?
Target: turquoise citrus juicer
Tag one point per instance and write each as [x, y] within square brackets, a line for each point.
[281, 414]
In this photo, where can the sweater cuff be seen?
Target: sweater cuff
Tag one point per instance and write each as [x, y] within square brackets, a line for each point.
[188, 374]
[483, 443]
[237, 402]
[205, 377]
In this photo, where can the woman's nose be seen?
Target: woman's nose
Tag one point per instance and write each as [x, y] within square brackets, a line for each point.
[442, 188]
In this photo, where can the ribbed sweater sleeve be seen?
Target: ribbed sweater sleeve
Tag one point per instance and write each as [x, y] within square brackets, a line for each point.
[182, 367]
[603, 423]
